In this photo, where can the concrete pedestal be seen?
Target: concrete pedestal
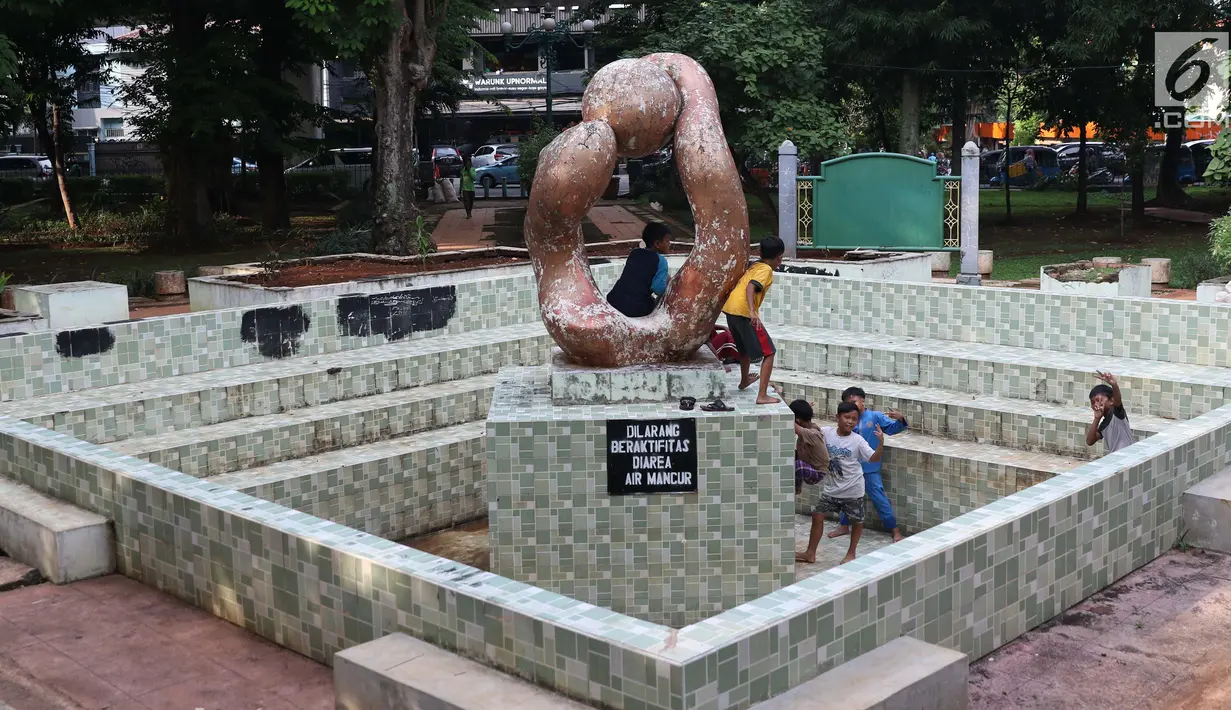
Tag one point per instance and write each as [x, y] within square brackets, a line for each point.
[1160, 270]
[986, 257]
[558, 520]
[701, 377]
[1207, 513]
[74, 304]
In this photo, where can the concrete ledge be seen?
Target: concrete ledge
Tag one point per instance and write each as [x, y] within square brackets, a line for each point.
[399, 671]
[1207, 513]
[904, 674]
[62, 541]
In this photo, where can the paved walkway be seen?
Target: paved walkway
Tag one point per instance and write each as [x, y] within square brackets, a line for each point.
[1159, 638]
[114, 643]
[1177, 215]
[454, 231]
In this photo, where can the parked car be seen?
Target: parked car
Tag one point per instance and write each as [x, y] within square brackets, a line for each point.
[492, 153]
[987, 165]
[1185, 172]
[1098, 155]
[357, 162]
[1201, 156]
[1046, 165]
[490, 175]
[37, 167]
[447, 160]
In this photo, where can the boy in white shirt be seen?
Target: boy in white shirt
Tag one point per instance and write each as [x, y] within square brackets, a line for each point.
[843, 491]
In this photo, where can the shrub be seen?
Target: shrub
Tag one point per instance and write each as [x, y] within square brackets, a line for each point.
[4, 280]
[1220, 240]
[135, 185]
[1192, 268]
[344, 240]
[1219, 169]
[317, 183]
[81, 189]
[528, 151]
[14, 191]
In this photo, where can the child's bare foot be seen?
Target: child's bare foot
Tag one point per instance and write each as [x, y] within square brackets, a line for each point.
[805, 557]
[766, 399]
[842, 530]
[897, 536]
[848, 558]
[749, 381]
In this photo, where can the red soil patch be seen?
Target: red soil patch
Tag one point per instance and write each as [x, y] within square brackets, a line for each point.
[345, 270]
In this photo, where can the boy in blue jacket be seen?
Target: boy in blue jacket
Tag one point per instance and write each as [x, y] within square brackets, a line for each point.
[891, 422]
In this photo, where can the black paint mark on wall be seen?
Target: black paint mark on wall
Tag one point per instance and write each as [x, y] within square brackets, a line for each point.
[87, 341]
[397, 314]
[809, 270]
[275, 330]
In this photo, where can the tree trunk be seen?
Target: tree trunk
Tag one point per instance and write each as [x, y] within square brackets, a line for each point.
[402, 69]
[275, 212]
[908, 139]
[882, 127]
[958, 134]
[1169, 192]
[1082, 169]
[51, 139]
[1137, 171]
[187, 156]
[1008, 153]
[190, 221]
[753, 184]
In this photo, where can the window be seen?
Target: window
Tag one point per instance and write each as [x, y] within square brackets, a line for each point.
[113, 127]
[485, 150]
[356, 157]
[88, 94]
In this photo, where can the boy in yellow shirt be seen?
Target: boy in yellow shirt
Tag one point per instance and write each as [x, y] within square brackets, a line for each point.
[744, 320]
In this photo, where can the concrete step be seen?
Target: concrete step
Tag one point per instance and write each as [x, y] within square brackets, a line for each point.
[1153, 388]
[256, 441]
[400, 671]
[984, 419]
[930, 480]
[903, 674]
[395, 489]
[148, 408]
[1207, 513]
[62, 541]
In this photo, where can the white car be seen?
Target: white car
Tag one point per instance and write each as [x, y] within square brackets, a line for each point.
[25, 166]
[492, 153]
[357, 162]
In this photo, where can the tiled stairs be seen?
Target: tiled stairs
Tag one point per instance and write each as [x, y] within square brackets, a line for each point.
[390, 439]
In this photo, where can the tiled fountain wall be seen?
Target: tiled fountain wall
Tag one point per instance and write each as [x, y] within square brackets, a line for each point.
[972, 583]
[47, 362]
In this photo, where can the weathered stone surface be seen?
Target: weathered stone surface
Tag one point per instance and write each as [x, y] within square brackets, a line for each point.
[14, 574]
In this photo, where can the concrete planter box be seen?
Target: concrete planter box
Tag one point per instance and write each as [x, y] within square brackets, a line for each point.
[74, 304]
[884, 266]
[1208, 290]
[1133, 281]
[216, 291]
[16, 322]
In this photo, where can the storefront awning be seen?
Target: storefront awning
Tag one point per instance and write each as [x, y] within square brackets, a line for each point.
[519, 107]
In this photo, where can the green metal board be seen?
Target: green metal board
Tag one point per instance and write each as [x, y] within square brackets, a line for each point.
[881, 200]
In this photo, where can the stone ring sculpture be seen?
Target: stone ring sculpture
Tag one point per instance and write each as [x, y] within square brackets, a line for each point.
[631, 108]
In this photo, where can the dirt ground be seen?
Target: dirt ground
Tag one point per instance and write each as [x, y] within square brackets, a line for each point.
[1159, 638]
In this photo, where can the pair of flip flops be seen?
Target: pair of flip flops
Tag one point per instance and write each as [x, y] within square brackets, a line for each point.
[687, 403]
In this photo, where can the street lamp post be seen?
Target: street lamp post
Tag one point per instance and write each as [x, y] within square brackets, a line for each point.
[548, 33]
